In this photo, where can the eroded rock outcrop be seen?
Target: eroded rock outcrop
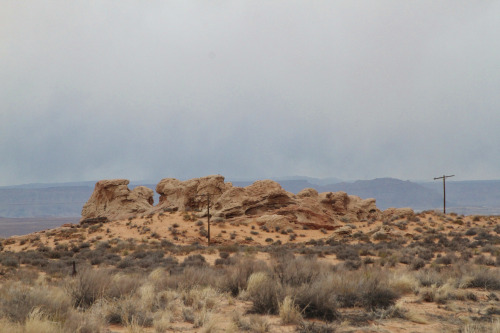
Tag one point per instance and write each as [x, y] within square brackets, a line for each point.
[398, 212]
[264, 201]
[184, 195]
[112, 199]
[261, 197]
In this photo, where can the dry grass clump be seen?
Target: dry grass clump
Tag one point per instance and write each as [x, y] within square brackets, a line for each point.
[479, 327]
[488, 279]
[289, 312]
[89, 286]
[264, 292]
[253, 323]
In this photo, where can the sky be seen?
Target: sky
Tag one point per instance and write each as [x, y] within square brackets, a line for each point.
[249, 89]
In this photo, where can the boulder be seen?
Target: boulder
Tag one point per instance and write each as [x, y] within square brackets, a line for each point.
[398, 212]
[112, 199]
[343, 231]
[363, 209]
[261, 197]
[337, 201]
[308, 193]
[188, 195]
[351, 206]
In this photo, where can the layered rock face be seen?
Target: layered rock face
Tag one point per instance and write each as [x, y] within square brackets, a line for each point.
[112, 199]
[187, 195]
[265, 201]
[261, 197]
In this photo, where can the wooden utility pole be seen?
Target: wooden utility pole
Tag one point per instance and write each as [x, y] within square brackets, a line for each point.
[444, 190]
[208, 214]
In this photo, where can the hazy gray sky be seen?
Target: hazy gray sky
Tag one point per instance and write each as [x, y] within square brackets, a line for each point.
[152, 89]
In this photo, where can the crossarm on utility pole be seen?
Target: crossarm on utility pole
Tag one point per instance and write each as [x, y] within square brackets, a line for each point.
[444, 190]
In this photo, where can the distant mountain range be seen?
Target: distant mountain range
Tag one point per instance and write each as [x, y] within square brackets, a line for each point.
[463, 197]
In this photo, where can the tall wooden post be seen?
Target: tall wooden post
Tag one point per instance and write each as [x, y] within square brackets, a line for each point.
[444, 190]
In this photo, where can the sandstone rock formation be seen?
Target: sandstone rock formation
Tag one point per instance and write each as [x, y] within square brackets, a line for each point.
[265, 202]
[398, 212]
[261, 197]
[184, 195]
[274, 222]
[112, 199]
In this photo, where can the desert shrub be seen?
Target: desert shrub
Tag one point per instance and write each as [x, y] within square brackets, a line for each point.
[425, 254]
[265, 293]
[194, 260]
[33, 258]
[403, 282]
[84, 245]
[18, 301]
[405, 259]
[429, 277]
[317, 299]
[125, 263]
[235, 277]
[402, 225]
[347, 252]
[223, 255]
[380, 235]
[485, 278]
[352, 265]
[192, 276]
[417, 264]
[296, 271]
[9, 260]
[482, 260]
[448, 259]
[54, 302]
[84, 322]
[89, 286]
[369, 289]
[58, 268]
[151, 259]
[471, 232]
[111, 259]
[458, 243]
[368, 260]
[123, 285]
[378, 294]
[127, 310]
[230, 248]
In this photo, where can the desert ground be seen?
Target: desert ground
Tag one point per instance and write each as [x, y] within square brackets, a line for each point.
[427, 272]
